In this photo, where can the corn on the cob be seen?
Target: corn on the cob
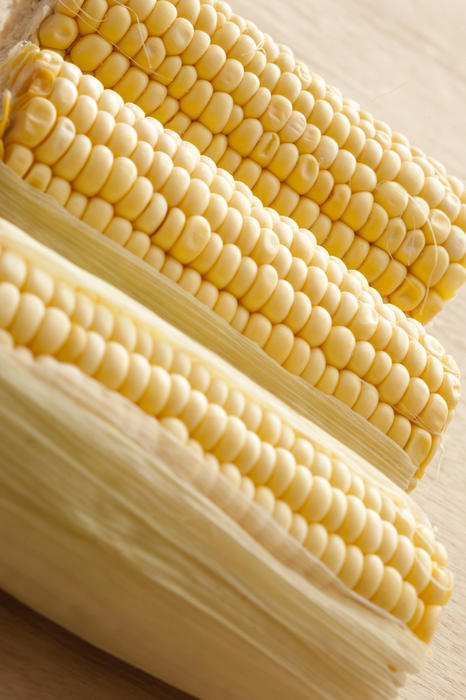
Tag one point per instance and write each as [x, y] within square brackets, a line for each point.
[153, 193]
[369, 197]
[108, 532]
[369, 537]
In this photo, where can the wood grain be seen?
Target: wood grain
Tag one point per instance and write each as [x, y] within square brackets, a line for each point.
[41, 661]
[405, 61]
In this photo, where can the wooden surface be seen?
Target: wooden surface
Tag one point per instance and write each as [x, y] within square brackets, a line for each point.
[404, 60]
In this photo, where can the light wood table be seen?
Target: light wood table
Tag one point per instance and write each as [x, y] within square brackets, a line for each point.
[405, 61]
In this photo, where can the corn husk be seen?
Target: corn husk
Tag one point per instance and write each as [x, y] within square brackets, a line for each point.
[113, 530]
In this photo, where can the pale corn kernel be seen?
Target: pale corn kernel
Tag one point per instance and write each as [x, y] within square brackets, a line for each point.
[316, 540]
[389, 542]
[337, 511]
[390, 590]
[439, 588]
[352, 568]
[33, 124]
[335, 554]
[371, 577]
[383, 417]
[393, 388]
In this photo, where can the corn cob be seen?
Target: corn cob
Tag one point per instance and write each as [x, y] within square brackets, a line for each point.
[368, 196]
[149, 191]
[369, 537]
[109, 533]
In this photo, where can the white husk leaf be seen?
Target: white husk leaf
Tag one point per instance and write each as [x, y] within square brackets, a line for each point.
[19, 20]
[106, 529]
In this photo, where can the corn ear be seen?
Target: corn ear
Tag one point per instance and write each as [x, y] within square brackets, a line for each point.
[155, 195]
[106, 442]
[105, 259]
[147, 567]
[371, 198]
